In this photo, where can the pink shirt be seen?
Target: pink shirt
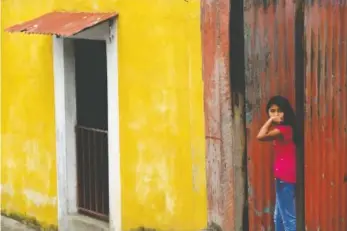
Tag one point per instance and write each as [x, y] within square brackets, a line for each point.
[285, 155]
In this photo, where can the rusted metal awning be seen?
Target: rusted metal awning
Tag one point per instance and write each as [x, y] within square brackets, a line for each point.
[62, 23]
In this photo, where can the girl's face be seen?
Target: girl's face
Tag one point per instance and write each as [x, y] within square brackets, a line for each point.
[275, 111]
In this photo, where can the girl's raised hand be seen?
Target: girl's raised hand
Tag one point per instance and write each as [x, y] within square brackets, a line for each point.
[277, 119]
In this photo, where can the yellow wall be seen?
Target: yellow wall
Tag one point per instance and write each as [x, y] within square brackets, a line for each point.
[161, 113]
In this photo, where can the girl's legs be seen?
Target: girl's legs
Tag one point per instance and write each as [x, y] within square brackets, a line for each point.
[277, 215]
[285, 202]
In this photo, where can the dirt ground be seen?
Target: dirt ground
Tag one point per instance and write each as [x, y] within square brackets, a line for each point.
[8, 224]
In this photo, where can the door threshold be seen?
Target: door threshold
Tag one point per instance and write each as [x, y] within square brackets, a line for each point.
[79, 222]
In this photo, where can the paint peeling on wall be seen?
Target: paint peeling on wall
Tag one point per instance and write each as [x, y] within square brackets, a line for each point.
[39, 199]
[161, 113]
[218, 114]
[155, 177]
[7, 189]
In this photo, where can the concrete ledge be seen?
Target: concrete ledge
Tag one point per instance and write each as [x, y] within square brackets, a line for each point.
[83, 223]
[8, 224]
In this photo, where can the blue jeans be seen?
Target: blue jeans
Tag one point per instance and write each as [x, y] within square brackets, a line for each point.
[285, 214]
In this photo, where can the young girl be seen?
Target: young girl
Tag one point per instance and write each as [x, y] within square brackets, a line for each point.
[280, 128]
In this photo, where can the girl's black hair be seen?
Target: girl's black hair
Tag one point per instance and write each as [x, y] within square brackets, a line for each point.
[289, 114]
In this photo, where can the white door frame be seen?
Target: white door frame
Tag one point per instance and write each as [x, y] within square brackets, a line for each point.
[65, 119]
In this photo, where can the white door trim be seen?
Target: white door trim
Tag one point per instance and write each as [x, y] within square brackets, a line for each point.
[65, 118]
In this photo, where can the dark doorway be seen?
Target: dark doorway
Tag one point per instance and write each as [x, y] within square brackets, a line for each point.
[91, 128]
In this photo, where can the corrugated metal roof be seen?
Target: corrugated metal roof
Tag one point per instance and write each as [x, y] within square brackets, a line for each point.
[61, 23]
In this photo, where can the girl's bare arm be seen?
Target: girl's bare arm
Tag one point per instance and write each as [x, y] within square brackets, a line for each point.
[268, 135]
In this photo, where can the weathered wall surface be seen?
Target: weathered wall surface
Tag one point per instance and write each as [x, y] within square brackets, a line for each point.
[161, 113]
[215, 41]
[223, 74]
[28, 173]
[270, 70]
[325, 115]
